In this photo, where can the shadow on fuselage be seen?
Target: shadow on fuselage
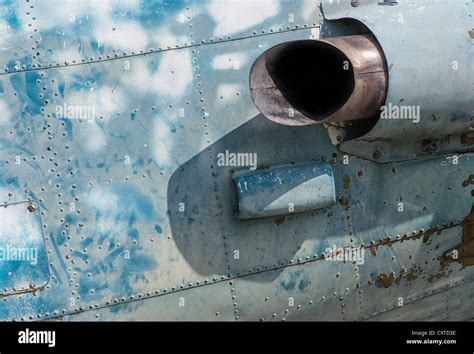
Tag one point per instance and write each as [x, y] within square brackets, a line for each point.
[202, 201]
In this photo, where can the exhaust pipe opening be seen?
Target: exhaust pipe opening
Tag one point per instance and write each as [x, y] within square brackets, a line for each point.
[311, 77]
[320, 81]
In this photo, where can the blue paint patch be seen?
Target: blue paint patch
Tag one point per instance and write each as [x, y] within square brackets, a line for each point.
[9, 13]
[88, 283]
[88, 241]
[13, 181]
[60, 238]
[61, 86]
[98, 165]
[303, 284]
[290, 284]
[33, 90]
[132, 199]
[96, 48]
[80, 255]
[132, 219]
[133, 233]
[70, 218]
[67, 124]
[170, 124]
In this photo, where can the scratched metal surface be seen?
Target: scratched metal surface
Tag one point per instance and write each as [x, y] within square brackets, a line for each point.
[111, 187]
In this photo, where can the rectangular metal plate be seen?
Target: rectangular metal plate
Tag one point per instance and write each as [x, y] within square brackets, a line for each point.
[284, 190]
[23, 259]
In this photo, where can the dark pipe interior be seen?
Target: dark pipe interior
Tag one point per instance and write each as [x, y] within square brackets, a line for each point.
[311, 76]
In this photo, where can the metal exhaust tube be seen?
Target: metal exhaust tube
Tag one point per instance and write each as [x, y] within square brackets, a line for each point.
[320, 81]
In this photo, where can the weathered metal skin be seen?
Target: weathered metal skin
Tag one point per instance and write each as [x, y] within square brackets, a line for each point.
[137, 213]
[418, 117]
[437, 79]
[366, 81]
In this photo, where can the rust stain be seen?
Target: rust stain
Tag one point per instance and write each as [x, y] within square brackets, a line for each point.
[438, 276]
[464, 252]
[471, 34]
[468, 181]
[387, 241]
[426, 235]
[55, 319]
[429, 146]
[373, 250]
[386, 280]
[263, 166]
[280, 220]
[414, 272]
[343, 201]
[376, 154]
[346, 180]
[444, 261]
[467, 139]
